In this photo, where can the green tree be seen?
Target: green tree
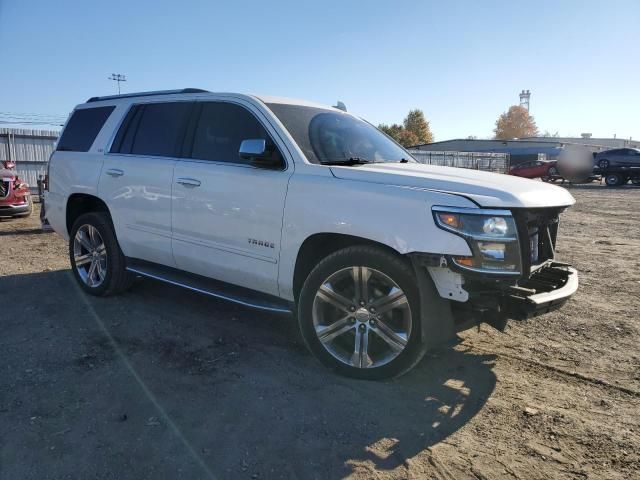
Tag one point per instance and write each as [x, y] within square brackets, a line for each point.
[392, 130]
[515, 123]
[414, 130]
[408, 139]
[418, 126]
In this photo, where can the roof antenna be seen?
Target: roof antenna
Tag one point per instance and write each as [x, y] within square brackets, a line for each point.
[340, 106]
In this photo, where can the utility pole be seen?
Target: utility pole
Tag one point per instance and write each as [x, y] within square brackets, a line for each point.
[525, 99]
[116, 77]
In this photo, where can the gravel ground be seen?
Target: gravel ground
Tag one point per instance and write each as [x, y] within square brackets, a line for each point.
[164, 383]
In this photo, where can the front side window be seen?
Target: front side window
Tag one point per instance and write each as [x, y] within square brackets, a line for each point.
[83, 128]
[327, 136]
[220, 130]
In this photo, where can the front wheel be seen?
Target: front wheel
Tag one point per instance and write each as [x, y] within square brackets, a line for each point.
[359, 313]
[97, 262]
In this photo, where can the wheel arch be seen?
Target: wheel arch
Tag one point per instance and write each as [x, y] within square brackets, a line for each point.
[81, 203]
[319, 245]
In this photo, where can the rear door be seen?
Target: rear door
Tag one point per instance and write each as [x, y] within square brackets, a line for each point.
[227, 214]
[137, 174]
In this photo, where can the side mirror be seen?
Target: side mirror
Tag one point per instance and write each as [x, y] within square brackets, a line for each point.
[256, 152]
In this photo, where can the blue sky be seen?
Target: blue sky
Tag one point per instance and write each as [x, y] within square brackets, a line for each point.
[461, 62]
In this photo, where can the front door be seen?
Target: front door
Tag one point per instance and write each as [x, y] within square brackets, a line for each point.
[227, 214]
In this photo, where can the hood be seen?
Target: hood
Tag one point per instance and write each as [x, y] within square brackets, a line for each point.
[486, 189]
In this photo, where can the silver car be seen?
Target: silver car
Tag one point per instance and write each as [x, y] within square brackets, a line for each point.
[619, 157]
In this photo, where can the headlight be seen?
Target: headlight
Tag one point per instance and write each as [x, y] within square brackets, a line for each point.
[491, 235]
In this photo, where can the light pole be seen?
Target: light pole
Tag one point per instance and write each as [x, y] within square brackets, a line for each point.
[116, 77]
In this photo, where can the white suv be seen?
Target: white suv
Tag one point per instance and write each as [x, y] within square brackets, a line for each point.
[290, 206]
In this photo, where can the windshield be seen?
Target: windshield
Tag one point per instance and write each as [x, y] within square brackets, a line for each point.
[327, 136]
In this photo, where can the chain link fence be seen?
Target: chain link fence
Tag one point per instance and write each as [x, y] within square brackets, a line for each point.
[486, 161]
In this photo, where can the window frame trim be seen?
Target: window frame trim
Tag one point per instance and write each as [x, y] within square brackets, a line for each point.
[272, 130]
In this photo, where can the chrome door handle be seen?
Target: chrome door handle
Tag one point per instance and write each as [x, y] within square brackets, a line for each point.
[115, 172]
[188, 182]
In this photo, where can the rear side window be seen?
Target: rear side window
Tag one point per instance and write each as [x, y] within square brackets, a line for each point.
[153, 129]
[221, 129]
[82, 129]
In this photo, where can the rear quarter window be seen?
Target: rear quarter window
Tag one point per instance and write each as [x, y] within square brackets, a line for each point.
[82, 129]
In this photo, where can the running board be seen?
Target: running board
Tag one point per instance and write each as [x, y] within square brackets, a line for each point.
[209, 286]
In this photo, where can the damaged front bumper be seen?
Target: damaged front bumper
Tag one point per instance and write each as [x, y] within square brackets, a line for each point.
[547, 289]
[476, 299]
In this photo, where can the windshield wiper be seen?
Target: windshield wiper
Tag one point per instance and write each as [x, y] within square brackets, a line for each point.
[348, 161]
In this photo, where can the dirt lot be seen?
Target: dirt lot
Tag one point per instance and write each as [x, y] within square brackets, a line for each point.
[163, 383]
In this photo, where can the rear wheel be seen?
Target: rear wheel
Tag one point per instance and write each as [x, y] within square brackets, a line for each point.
[635, 181]
[97, 262]
[359, 314]
[614, 180]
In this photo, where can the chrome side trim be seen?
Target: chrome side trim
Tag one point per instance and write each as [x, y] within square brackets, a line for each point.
[472, 211]
[177, 237]
[210, 293]
[503, 273]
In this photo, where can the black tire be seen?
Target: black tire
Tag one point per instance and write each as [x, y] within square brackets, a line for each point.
[635, 181]
[116, 279]
[381, 261]
[604, 163]
[614, 180]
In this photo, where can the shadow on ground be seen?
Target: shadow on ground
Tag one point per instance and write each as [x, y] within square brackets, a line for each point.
[164, 383]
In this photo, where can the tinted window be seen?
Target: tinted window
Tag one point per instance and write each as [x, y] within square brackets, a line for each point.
[124, 138]
[153, 129]
[220, 130]
[82, 129]
[160, 129]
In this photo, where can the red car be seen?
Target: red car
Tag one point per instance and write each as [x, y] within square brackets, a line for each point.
[15, 198]
[545, 169]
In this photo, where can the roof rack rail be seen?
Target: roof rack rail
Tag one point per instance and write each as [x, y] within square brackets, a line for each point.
[148, 94]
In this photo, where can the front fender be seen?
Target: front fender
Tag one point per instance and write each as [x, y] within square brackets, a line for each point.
[395, 216]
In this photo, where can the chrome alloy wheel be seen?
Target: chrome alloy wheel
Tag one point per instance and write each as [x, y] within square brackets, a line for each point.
[362, 317]
[90, 256]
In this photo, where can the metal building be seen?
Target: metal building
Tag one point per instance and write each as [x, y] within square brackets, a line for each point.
[588, 140]
[519, 150]
[487, 161]
[30, 150]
